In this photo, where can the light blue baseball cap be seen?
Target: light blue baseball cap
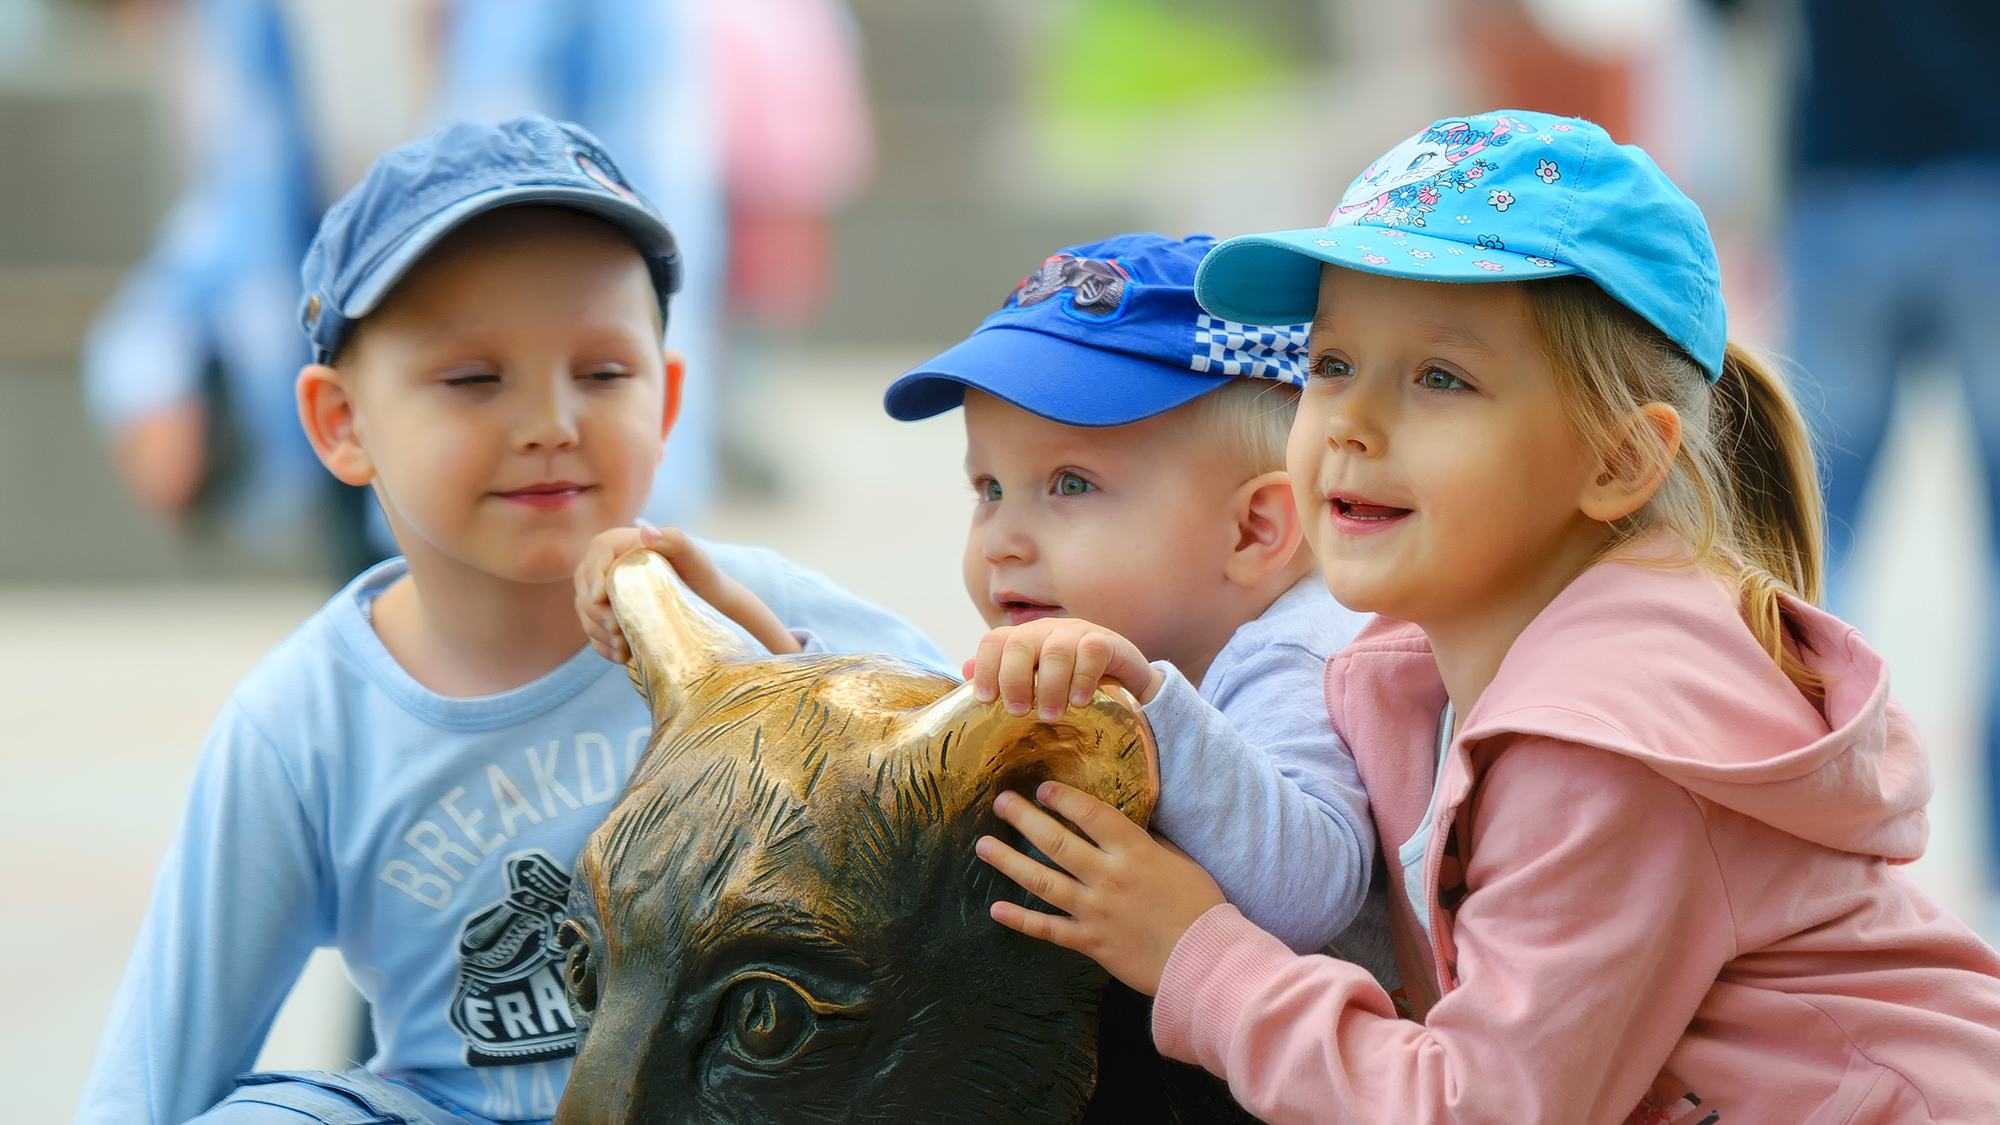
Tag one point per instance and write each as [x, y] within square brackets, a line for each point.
[413, 196]
[1510, 195]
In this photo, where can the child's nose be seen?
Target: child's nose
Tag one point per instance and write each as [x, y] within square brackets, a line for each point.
[548, 421]
[1005, 538]
[1356, 421]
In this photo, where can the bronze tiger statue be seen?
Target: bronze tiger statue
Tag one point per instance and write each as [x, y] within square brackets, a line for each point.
[782, 918]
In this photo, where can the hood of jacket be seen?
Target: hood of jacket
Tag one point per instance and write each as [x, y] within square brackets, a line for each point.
[1657, 664]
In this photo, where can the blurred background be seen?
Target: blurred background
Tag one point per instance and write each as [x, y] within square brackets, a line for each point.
[857, 184]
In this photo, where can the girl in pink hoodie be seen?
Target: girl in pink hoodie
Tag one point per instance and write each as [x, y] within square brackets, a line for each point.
[1642, 805]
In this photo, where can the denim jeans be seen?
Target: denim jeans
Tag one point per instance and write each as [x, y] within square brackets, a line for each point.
[1885, 266]
[325, 1097]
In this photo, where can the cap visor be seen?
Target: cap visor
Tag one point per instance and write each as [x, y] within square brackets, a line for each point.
[1048, 376]
[1274, 278]
[651, 234]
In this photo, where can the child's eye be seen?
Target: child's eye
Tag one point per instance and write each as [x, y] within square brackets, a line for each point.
[987, 489]
[474, 380]
[1331, 367]
[1438, 379]
[1069, 484]
[607, 374]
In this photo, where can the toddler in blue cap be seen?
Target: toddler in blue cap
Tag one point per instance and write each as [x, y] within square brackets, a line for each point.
[1642, 802]
[1126, 455]
[409, 776]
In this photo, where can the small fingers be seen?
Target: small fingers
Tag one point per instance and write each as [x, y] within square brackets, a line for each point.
[1101, 822]
[1063, 848]
[1093, 654]
[1038, 879]
[1019, 654]
[606, 637]
[668, 542]
[1066, 932]
[1052, 681]
[689, 561]
[984, 667]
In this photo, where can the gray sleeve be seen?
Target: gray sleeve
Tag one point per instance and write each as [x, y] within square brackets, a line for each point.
[1264, 795]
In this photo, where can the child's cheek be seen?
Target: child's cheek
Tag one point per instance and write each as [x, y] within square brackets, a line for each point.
[977, 581]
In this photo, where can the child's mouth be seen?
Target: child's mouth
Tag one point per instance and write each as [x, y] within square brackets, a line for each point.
[1362, 512]
[551, 494]
[1020, 612]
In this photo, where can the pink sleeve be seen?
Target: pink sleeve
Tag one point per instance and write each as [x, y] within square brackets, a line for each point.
[1594, 922]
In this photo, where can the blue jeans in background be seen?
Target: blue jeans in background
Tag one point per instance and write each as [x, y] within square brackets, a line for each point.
[1886, 266]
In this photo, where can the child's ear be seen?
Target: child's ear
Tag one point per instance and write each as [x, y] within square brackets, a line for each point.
[1637, 465]
[1268, 531]
[676, 368]
[326, 410]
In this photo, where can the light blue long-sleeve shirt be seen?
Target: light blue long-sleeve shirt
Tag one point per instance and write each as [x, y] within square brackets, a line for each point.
[1255, 784]
[339, 802]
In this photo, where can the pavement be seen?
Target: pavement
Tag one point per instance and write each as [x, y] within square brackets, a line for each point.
[106, 692]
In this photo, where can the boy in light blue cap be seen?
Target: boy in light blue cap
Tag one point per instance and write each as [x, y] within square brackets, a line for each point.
[1126, 454]
[409, 776]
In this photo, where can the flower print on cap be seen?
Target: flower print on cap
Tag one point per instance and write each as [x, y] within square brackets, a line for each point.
[1500, 198]
[1546, 171]
[1403, 187]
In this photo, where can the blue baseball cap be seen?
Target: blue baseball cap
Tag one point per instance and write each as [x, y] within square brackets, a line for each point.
[1103, 334]
[415, 195]
[1504, 196]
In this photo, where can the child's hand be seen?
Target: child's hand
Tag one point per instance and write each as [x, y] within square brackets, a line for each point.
[1054, 663]
[696, 569]
[1129, 896]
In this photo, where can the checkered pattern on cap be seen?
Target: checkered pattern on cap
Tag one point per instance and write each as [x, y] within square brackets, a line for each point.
[1104, 333]
[1228, 347]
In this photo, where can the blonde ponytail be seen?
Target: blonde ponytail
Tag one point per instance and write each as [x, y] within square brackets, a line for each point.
[1743, 493]
[1774, 478]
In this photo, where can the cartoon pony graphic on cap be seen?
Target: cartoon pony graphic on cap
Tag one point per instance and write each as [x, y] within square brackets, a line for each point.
[1405, 184]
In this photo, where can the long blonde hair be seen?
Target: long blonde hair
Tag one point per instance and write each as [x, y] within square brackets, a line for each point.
[1742, 493]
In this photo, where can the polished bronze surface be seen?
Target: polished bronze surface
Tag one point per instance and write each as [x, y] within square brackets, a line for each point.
[782, 919]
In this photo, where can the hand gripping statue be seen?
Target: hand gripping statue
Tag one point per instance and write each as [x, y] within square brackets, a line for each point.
[782, 919]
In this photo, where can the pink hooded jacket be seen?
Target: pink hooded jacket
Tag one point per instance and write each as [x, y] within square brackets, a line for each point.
[1658, 876]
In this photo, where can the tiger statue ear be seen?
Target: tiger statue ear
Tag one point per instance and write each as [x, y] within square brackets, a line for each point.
[674, 637]
[977, 750]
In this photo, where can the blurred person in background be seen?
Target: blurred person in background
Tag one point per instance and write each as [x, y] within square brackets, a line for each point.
[1893, 250]
[797, 143]
[1559, 56]
[22, 24]
[190, 369]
